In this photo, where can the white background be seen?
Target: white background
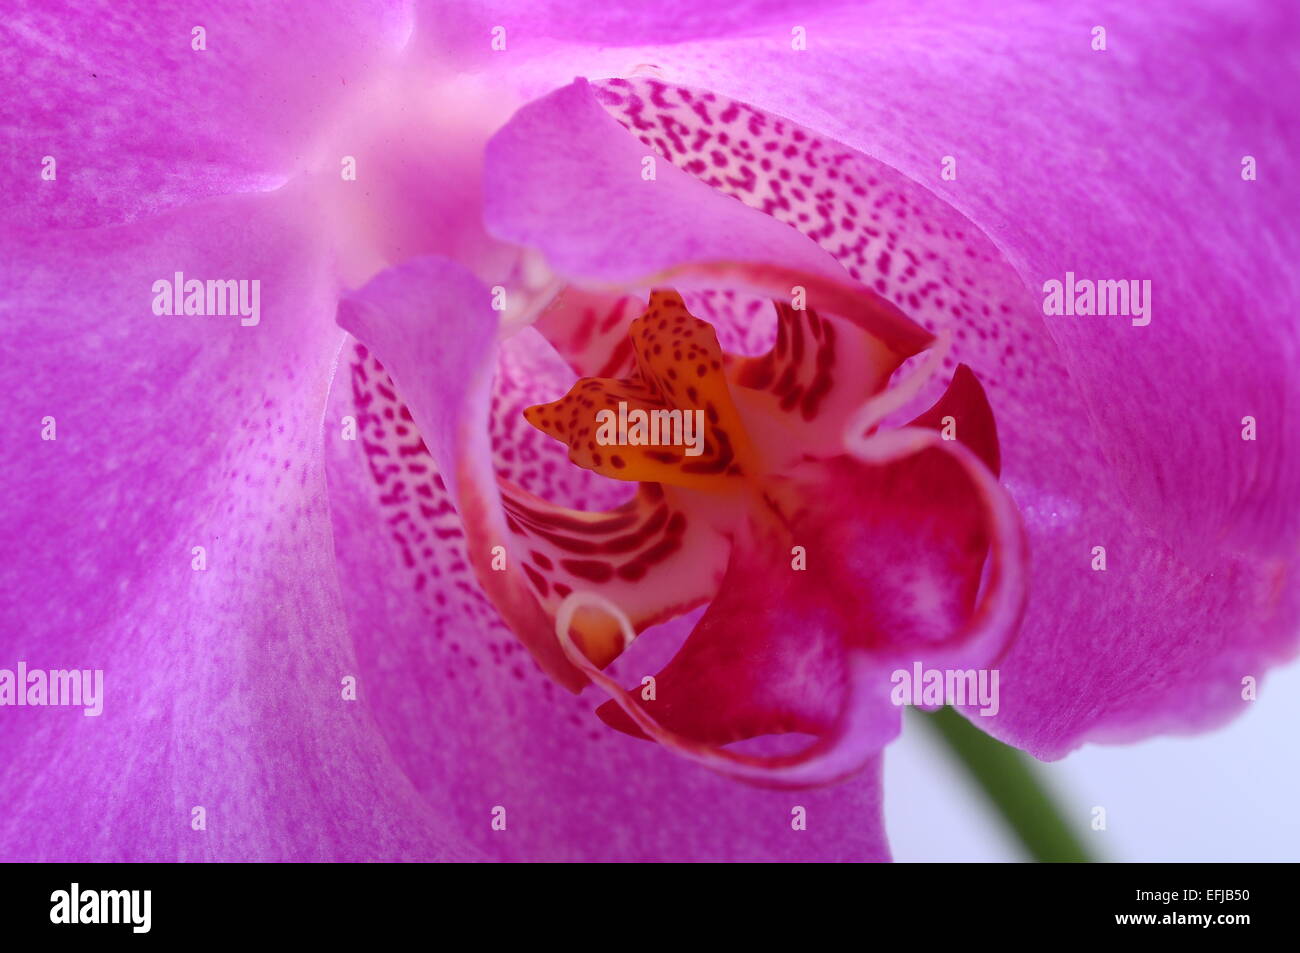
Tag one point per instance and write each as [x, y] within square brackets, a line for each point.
[1231, 795]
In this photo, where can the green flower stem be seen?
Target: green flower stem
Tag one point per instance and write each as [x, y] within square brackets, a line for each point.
[1011, 782]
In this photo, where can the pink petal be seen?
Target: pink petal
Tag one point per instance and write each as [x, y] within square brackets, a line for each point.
[138, 121]
[530, 24]
[223, 686]
[432, 325]
[625, 229]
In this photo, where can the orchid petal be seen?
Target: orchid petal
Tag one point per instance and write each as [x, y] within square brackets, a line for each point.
[580, 26]
[222, 684]
[138, 119]
[431, 323]
[627, 227]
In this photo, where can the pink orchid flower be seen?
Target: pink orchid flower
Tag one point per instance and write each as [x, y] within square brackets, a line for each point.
[360, 579]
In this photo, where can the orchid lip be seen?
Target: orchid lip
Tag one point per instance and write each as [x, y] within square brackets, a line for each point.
[758, 434]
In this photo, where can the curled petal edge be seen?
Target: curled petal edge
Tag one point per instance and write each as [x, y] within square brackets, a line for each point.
[1002, 602]
[876, 408]
[830, 759]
